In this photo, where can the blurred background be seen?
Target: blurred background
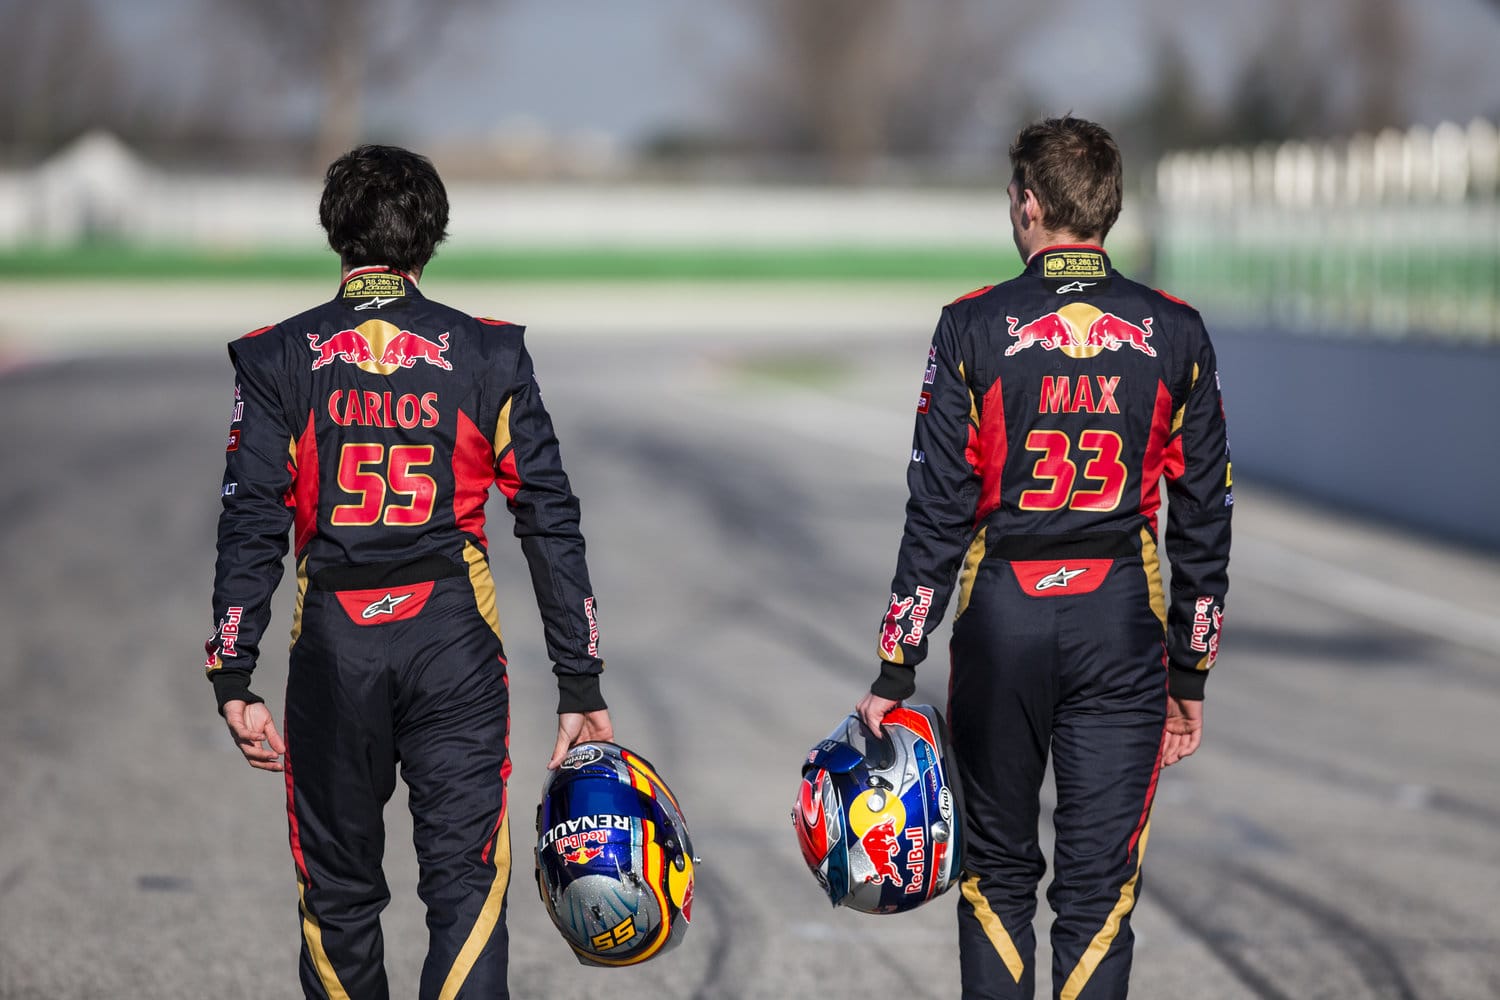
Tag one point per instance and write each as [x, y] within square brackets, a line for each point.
[730, 228]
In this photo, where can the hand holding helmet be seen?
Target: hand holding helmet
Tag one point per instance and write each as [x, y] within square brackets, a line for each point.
[879, 818]
[614, 864]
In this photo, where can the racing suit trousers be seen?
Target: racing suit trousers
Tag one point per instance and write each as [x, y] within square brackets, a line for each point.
[1078, 669]
[413, 675]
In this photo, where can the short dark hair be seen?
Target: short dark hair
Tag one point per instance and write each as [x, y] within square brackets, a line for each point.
[384, 205]
[1073, 168]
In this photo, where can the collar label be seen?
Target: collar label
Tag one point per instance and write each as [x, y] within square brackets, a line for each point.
[364, 286]
[1066, 264]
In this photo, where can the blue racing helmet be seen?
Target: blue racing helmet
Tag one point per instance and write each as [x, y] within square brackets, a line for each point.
[614, 864]
[879, 819]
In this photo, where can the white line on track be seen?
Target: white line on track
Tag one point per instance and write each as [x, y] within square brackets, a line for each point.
[819, 418]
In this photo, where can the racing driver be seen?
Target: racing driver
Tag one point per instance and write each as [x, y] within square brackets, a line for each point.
[372, 427]
[1052, 408]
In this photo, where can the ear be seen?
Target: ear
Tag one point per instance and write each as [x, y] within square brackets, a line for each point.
[1031, 209]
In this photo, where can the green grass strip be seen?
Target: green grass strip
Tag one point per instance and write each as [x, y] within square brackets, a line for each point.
[976, 266]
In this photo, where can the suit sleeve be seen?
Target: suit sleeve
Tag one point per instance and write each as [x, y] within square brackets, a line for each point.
[1201, 500]
[530, 473]
[253, 527]
[939, 515]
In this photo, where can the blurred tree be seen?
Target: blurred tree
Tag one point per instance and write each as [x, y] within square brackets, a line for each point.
[1381, 47]
[1171, 114]
[49, 97]
[346, 50]
[1316, 70]
[846, 82]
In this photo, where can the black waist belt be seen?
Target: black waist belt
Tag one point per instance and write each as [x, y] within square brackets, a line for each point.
[1097, 545]
[372, 576]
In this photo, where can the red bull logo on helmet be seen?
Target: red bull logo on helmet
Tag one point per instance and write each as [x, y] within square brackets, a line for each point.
[583, 855]
[379, 348]
[1079, 330]
[882, 848]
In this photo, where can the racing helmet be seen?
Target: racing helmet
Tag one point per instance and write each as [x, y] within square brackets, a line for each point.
[614, 864]
[879, 819]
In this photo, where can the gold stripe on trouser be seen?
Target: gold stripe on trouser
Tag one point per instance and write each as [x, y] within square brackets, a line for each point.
[1151, 561]
[1099, 947]
[301, 599]
[972, 559]
[484, 586]
[312, 934]
[489, 916]
[993, 928]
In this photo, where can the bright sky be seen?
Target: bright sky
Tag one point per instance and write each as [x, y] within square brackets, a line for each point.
[631, 68]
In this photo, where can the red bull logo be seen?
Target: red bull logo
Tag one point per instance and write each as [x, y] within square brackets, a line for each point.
[1079, 330]
[1051, 331]
[346, 345]
[1111, 332]
[583, 855]
[379, 347]
[406, 349]
[879, 842]
[891, 632]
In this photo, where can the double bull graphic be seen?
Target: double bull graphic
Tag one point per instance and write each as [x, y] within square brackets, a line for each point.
[1079, 330]
[379, 347]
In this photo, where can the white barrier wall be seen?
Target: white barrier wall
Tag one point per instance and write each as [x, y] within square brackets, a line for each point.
[98, 188]
[1393, 234]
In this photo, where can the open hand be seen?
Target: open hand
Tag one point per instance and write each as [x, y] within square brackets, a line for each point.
[1184, 730]
[251, 725]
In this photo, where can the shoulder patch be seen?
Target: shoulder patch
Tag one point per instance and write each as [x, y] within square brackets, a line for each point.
[971, 295]
[257, 333]
[1169, 296]
[494, 322]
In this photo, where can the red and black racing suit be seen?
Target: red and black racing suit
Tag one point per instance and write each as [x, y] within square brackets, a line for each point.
[373, 427]
[1053, 407]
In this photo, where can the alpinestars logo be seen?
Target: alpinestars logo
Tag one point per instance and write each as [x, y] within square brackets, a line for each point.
[385, 606]
[375, 303]
[1059, 579]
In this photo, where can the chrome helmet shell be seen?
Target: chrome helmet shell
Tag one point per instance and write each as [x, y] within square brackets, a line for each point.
[879, 820]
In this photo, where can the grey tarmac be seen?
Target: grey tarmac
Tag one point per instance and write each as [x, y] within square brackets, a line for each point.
[1337, 836]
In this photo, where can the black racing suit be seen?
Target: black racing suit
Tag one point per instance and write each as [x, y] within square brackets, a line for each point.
[372, 427]
[1053, 407]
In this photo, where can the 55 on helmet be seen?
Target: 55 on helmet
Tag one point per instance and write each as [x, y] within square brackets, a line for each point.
[614, 864]
[879, 819]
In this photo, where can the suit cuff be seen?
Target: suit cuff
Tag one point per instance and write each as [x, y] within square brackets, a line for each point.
[896, 682]
[233, 685]
[1186, 684]
[579, 693]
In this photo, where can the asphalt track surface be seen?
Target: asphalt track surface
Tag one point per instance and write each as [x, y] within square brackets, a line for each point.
[1338, 835]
